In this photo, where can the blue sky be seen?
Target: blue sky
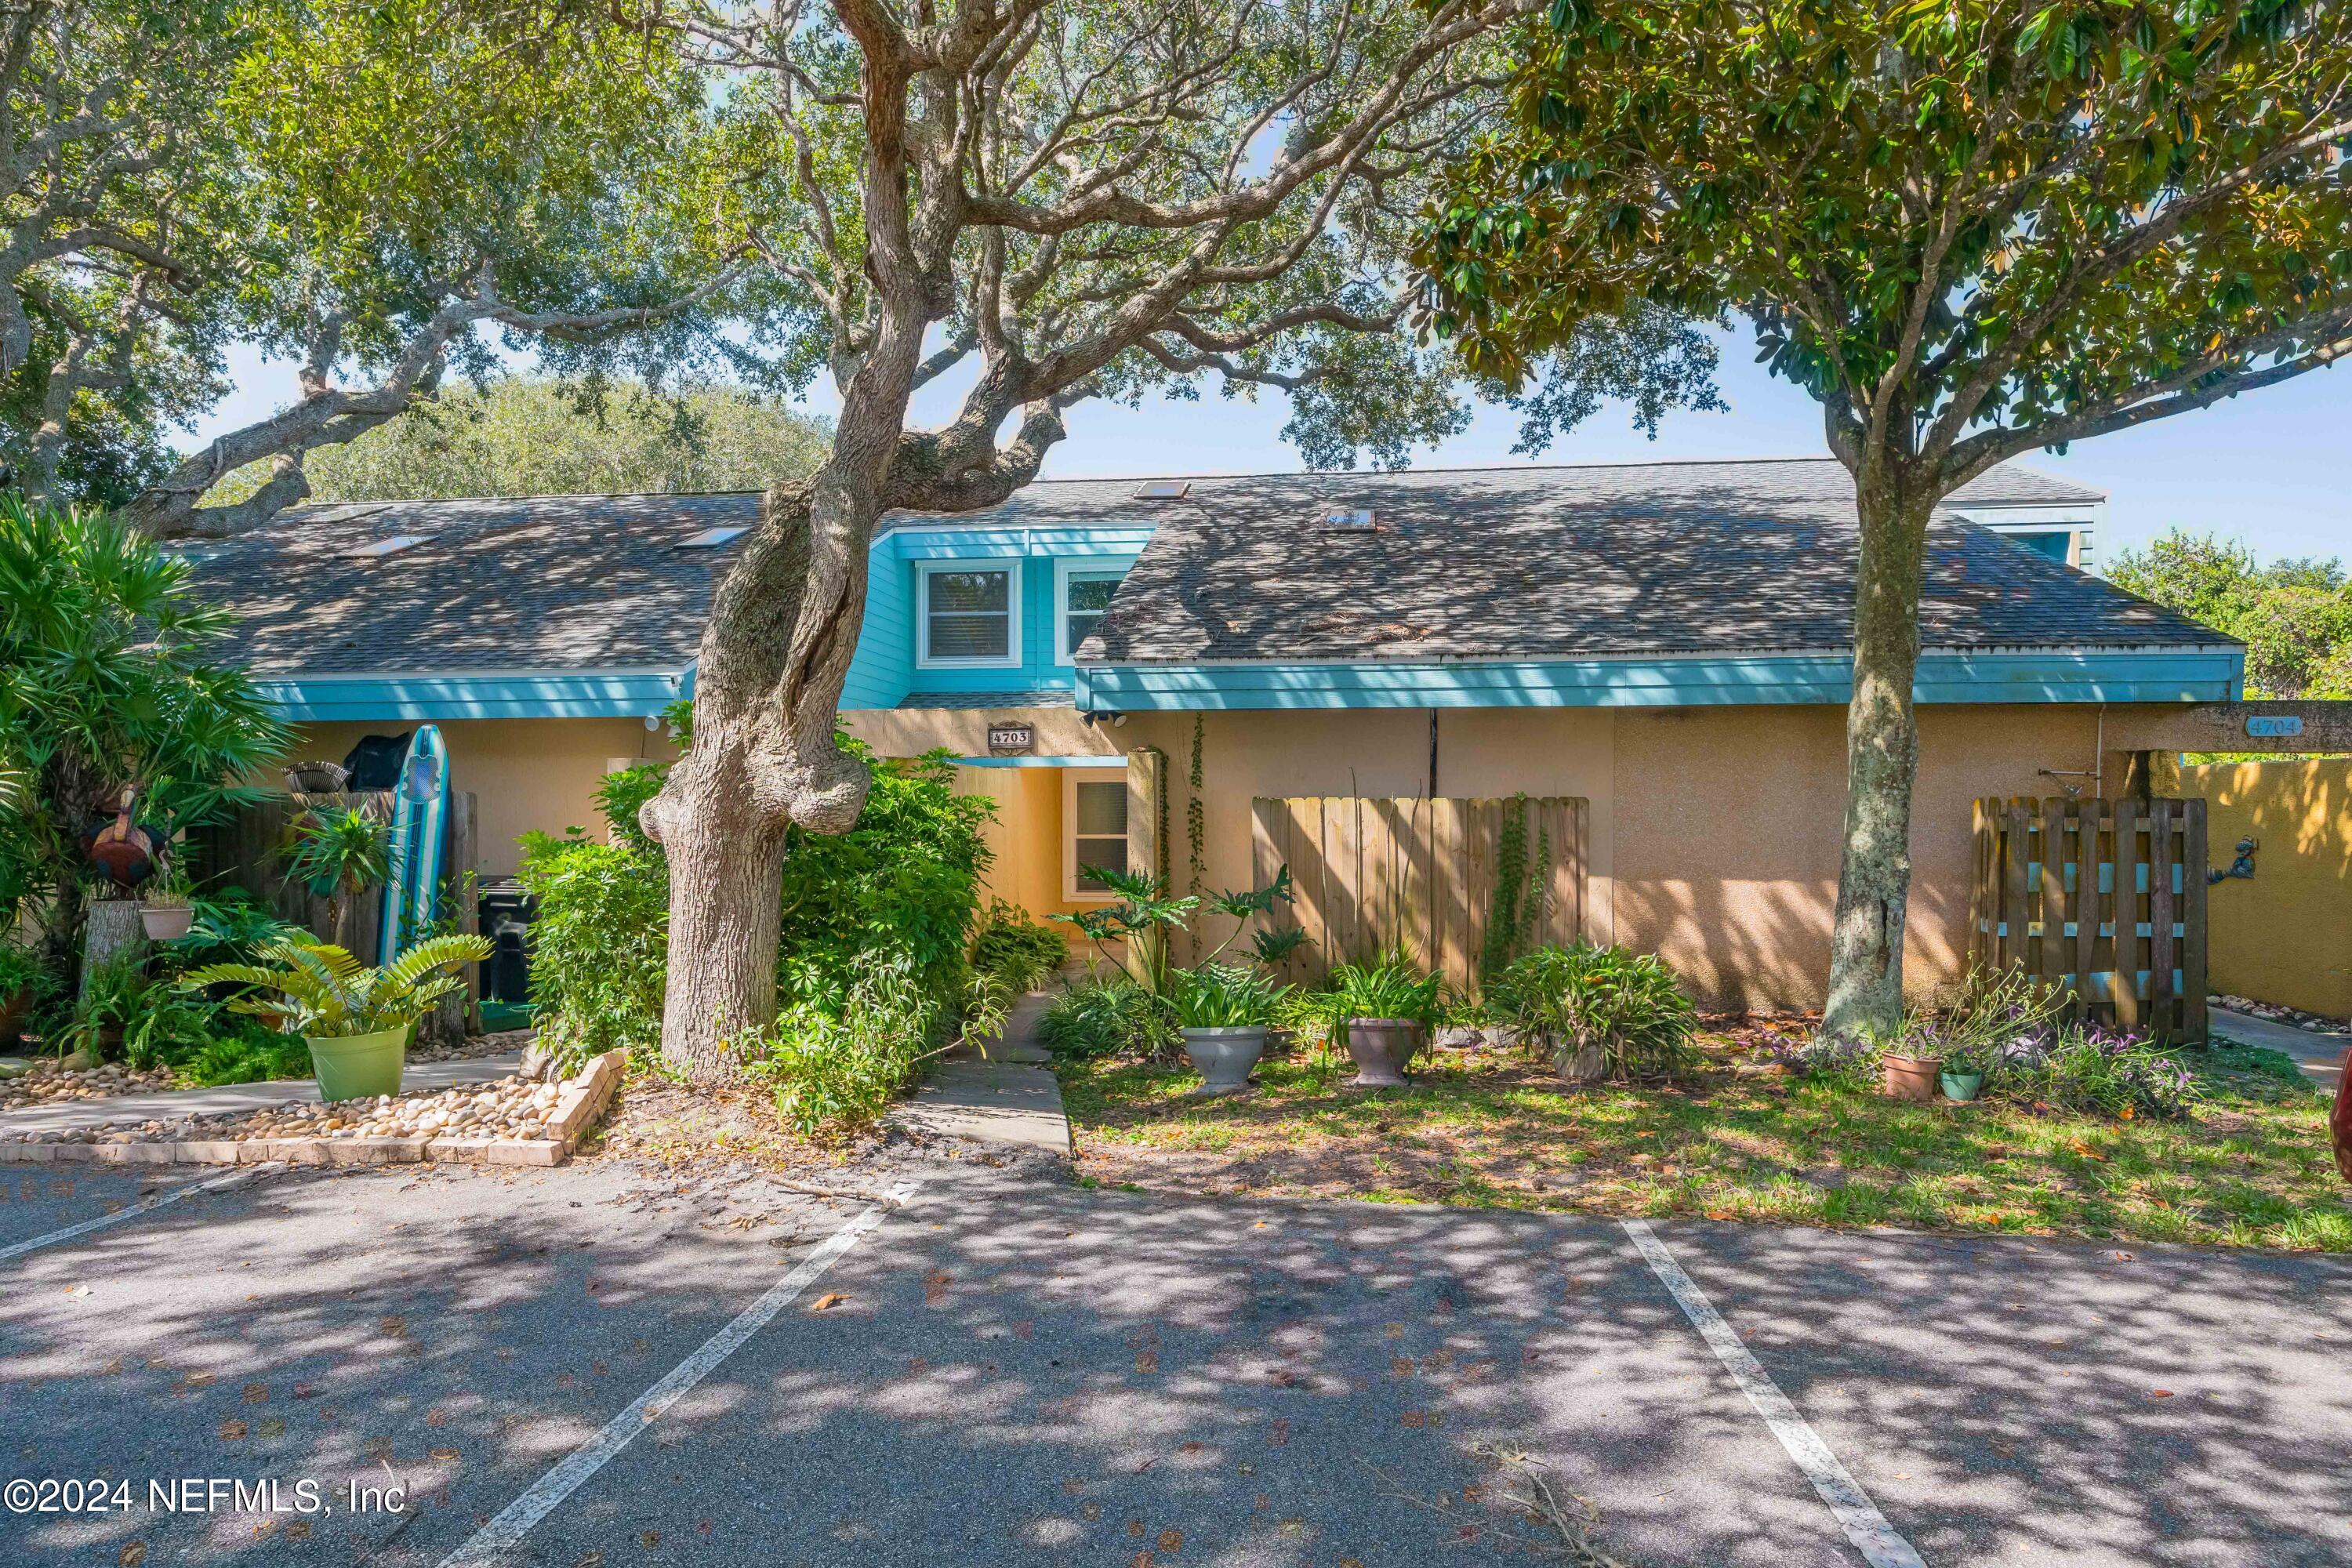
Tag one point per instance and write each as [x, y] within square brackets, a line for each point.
[2270, 467]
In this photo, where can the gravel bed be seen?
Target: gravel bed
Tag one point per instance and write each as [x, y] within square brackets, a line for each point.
[511, 1107]
[2293, 1017]
[49, 1080]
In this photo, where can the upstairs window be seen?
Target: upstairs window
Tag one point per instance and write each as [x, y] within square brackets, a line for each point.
[970, 616]
[1094, 831]
[1085, 593]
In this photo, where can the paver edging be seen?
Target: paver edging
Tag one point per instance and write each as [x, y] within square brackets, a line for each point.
[580, 1101]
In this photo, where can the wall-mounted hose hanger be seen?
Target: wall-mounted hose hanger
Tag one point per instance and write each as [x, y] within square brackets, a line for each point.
[2243, 866]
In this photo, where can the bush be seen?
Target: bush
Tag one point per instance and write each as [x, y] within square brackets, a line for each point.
[599, 948]
[889, 904]
[1581, 995]
[246, 1053]
[836, 1070]
[1014, 951]
[1102, 1017]
[2095, 1070]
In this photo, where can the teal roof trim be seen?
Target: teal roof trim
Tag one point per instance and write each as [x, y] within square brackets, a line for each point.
[616, 694]
[2204, 675]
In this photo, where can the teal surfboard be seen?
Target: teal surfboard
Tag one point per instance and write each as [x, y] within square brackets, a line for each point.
[420, 808]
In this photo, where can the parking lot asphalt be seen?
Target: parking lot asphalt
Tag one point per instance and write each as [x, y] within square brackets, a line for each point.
[1011, 1368]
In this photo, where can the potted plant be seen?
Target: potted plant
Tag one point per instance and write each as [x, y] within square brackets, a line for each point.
[356, 1020]
[339, 852]
[1385, 1007]
[1911, 1064]
[166, 906]
[1964, 1068]
[1224, 1011]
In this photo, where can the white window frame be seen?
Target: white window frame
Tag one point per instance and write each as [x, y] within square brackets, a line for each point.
[1071, 567]
[1071, 779]
[1008, 564]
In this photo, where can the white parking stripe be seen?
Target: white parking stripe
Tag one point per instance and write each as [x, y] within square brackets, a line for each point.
[144, 1205]
[1867, 1528]
[503, 1533]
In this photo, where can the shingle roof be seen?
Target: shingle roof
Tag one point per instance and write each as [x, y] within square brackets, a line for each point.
[1535, 562]
[556, 583]
[1522, 562]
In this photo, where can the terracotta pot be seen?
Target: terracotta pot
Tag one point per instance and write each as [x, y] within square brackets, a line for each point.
[1910, 1077]
[1382, 1047]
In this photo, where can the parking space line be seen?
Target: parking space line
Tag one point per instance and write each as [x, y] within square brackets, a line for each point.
[503, 1533]
[1875, 1539]
[144, 1205]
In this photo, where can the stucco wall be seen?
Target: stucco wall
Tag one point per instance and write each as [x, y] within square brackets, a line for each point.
[1714, 830]
[2284, 936]
[525, 772]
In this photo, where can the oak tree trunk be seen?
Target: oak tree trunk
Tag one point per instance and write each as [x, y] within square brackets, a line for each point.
[1882, 754]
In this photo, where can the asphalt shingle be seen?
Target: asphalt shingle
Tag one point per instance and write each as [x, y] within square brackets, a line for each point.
[1498, 562]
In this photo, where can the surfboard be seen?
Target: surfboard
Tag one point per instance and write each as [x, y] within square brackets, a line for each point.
[420, 808]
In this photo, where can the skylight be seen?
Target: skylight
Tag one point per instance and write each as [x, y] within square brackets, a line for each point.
[391, 545]
[1358, 521]
[712, 538]
[1162, 489]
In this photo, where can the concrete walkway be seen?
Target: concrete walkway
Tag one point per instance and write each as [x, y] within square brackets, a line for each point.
[2321, 1056]
[1005, 1097]
[67, 1114]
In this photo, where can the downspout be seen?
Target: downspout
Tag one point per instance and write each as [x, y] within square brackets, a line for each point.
[1433, 754]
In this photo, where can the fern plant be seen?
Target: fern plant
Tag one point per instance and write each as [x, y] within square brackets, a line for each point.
[322, 992]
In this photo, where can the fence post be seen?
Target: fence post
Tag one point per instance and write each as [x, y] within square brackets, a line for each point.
[1146, 843]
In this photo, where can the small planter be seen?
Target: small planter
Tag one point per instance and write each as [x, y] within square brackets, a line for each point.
[1963, 1084]
[1382, 1047]
[166, 922]
[1223, 1057]
[1910, 1077]
[356, 1067]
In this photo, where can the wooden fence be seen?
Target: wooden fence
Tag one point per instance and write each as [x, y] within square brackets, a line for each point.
[2104, 898]
[1417, 872]
[248, 851]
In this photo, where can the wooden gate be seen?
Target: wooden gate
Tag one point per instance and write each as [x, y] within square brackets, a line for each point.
[2104, 898]
[1418, 873]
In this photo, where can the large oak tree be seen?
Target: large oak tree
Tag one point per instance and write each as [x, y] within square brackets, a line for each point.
[1027, 204]
[1971, 228]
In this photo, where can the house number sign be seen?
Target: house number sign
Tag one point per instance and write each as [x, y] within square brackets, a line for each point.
[1012, 740]
[2276, 724]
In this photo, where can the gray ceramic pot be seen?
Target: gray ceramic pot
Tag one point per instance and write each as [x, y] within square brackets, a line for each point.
[1381, 1047]
[1223, 1056]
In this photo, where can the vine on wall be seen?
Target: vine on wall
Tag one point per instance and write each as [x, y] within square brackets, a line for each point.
[1196, 828]
[1522, 891]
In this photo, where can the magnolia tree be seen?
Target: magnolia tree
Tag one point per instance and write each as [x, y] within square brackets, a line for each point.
[1969, 229]
[1027, 204]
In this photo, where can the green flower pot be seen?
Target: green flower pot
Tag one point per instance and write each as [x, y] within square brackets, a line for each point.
[357, 1066]
[1962, 1085]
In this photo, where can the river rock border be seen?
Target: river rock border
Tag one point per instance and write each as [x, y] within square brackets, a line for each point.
[580, 1101]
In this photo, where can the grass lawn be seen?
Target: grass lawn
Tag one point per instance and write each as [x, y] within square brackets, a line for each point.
[1490, 1128]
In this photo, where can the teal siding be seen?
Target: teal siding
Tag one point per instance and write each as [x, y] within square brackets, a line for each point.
[320, 699]
[2054, 676]
[885, 661]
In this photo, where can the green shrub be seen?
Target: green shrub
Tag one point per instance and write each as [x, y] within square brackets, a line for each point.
[890, 903]
[620, 796]
[1016, 952]
[1105, 1016]
[600, 947]
[2097, 1070]
[123, 1012]
[243, 1052]
[1581, 995]
[836, 1069]
[1224, 996]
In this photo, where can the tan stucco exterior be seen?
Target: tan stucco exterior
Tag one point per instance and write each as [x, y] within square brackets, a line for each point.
[1712, 831]
[2284, 935]
[525, 773]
